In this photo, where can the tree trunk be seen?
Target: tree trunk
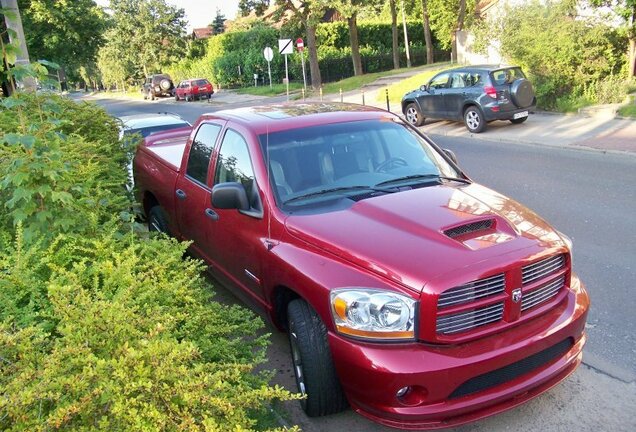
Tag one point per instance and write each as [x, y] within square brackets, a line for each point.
[458, 27]
[314, 69]
[631, 69]
[355, 46]
[427, 33]
[394, 35]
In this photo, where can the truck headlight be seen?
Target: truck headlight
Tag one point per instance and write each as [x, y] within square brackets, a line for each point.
[373, 313]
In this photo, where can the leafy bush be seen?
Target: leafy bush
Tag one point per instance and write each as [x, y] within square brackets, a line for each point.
[103, 328]
[62, 168]
[562, 55]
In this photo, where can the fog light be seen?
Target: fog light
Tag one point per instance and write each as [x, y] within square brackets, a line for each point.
[412, 395]
[401, 392]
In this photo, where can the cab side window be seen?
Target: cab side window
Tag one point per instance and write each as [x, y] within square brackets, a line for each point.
[201, 151]
[234, 165]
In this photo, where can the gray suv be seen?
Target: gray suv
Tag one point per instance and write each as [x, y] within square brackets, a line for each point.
[475, 95]
[157, 85]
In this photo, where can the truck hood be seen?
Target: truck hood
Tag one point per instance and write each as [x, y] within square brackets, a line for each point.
[408, 236]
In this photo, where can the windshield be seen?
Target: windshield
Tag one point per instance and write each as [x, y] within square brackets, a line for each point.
[333, 161]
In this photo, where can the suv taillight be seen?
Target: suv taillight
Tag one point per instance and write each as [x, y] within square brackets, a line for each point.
[491, 91]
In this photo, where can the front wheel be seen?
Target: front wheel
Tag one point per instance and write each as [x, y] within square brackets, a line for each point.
[519, 120]
[413, 115]
[176, 97]
[313, 366]
[473, 120]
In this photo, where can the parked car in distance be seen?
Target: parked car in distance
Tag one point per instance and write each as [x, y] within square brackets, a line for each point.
[193, 89]
[475, 95]
[157, 85]
[408, 291]
[146, 124]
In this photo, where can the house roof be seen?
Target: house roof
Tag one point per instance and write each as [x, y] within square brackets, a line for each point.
[202, 32]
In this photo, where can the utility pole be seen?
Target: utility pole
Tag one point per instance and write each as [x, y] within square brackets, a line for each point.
[406, 38]
[16, 25]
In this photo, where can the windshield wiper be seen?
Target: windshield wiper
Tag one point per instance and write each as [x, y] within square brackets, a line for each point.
[338, 189]
[423, 177]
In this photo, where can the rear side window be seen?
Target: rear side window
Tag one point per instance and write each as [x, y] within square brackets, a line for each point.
[201, 151]
[506, 76]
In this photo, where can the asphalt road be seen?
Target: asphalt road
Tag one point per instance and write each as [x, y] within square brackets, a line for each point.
[586, 194]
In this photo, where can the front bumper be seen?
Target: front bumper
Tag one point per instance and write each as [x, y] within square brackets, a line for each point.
[371, 374]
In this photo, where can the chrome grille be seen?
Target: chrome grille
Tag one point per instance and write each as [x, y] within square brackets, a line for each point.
[463, 321]
[542, 268]
[472, 291]
[543, 294]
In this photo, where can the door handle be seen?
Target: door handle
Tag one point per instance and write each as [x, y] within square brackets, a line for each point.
[180, 194]
[211, 214]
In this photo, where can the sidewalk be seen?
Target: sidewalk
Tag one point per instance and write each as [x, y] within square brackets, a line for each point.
[600, 132]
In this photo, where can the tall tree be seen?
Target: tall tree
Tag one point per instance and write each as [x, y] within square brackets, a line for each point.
[427, 32]
[257, 6]
[219, 22]
[461, 14]
[309, 13]
[69, 33]
[146, 35]
[626, 9]
[394, 35]
[349, 10]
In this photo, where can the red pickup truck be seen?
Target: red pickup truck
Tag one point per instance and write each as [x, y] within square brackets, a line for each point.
[408, 291]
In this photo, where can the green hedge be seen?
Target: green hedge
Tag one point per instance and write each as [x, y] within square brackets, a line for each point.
[102, 326]
[228, 53]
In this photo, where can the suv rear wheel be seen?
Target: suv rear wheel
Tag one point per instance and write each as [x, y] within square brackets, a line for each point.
[413, 115]
[473, 120]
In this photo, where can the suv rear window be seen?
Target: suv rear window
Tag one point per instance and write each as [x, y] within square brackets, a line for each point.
[506, 76]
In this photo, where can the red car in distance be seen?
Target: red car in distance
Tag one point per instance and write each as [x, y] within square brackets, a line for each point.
[191, 89]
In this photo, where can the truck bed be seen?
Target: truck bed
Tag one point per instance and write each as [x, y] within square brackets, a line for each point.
[168, 146]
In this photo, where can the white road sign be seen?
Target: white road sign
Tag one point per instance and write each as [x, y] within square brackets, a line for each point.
[285, 46]
[268, 53]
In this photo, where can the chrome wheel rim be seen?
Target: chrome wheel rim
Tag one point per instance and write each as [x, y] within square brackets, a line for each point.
[154, 225]
[411, 115]
[298, 364]
[472, 119]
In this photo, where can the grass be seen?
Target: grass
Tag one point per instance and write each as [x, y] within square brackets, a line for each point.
[400, 88]
[356, 82]
[628, 110]
[277, 89]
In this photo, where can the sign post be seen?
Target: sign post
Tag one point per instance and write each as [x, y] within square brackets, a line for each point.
[269, 55]
[285, 47]
[301, 48]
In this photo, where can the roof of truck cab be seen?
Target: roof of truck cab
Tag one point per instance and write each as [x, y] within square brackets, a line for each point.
[278, 117]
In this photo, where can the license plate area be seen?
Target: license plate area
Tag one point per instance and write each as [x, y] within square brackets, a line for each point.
[519, 115]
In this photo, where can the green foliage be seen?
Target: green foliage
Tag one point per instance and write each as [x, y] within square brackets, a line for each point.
[103, 328]
[562, 55]
[131, 341]
[443, 18]
[146, 36]
[61, 166]
[69, 32]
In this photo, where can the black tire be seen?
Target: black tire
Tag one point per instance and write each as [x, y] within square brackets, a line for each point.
[522, 93]
[413, 115]
[313, 367]
[157, 220]
[165, 84]
[188, 98]
[474, 120]
[176, 97]
[519, 120]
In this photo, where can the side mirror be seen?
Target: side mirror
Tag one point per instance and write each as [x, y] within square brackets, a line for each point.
[230, 195]
[424, 87]
[451, 155]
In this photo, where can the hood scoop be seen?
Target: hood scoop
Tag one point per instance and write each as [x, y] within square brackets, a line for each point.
[470, 228]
